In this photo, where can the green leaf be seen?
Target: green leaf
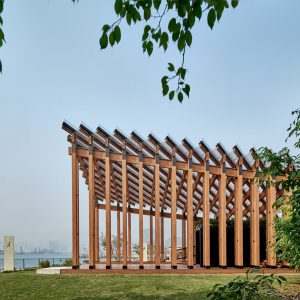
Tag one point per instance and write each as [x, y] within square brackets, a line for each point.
[171, 95]
[1, 21]
[191, 20]
[181, 42]
[187, 89]
[118, 6]
[1, 6]
[165, 89]
[112, 38]
[117, 34]
[128, 18]
[198, 11]
[180, 97]
[0, 66]
[211, 18]
[156, 4]
[234, 3]
[103, 41]
[164, 80]
[105, 28]
[189, 38]
[171, 67]
[172, 25]
[147, 13]
[149, 48]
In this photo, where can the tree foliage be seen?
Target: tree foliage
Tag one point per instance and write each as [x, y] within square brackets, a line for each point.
[2, 37]
[282, 163]
[166, 21]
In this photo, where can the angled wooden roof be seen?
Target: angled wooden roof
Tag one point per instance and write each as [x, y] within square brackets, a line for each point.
[152, 150]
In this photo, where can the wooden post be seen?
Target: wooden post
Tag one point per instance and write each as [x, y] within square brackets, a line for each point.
[124, 206]
[162, 237]
[75, 206]
[118, 234]
[222, 216]
[141, 205]
[151, 235]
[157, 214]
[91, 206]
[254, 221]
[108, 208]
[173, 215]
[238, 213]
[96, 234]
[270, 219]
[206, 222]
[183, 235]
[129, 234]
[190, 216]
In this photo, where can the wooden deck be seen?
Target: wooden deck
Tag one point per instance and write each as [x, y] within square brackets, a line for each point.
[166, 269]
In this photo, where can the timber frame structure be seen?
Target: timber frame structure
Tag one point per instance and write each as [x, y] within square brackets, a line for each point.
[131, 175]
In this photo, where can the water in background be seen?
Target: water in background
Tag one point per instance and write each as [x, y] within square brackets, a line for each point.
[31, 260]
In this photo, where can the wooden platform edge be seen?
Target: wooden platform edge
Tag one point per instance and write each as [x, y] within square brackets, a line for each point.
[211, 271]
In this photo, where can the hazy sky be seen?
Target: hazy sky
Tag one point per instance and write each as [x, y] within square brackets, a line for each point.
[244, 77]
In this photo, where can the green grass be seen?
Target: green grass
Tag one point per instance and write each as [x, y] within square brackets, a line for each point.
[29, 285]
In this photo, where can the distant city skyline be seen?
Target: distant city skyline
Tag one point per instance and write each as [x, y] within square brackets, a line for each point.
[244, 78]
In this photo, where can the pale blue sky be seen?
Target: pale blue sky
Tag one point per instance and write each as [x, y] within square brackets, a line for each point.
[244, 77]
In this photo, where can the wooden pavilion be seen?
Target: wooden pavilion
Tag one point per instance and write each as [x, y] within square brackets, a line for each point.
[188, 184]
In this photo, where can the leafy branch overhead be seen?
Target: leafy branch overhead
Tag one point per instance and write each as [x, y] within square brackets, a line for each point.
[165, 21]
[2, 38]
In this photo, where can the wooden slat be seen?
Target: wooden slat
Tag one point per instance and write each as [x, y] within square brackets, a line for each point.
[75, 207]
[141, 216]
[206, 223]
[96, 234]
[108, 209]
[173, 218]
[162, 238]
[190, 218]
[129, 235]
[254, 223]
[124, 206]
[222, 218]
[157, 217]
[270, 218]
[151, 235]
[91, 208]
[238, 213]
[118, 235]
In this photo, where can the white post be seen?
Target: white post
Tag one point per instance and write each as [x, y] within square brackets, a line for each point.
[9, 253]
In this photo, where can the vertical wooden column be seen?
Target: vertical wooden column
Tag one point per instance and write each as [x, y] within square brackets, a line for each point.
[173, 214]
[91, 206]
[124, 205]
[238, 214]
[254, 221]
[183, 228]
[96, 234]
[222, 216]
[206, 223]
[270, 219]
[129, 233]
[118, 234]
[157, 213]
[190, 215]
[141, 205]
[108, 207]
[75, 205]
[151, 235]
[162, 237]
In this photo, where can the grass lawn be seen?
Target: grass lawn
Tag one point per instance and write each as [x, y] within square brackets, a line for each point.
[29, 285]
